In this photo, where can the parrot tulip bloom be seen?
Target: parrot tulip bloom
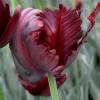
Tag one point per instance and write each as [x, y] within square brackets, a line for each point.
[45, 42]
[7, 22]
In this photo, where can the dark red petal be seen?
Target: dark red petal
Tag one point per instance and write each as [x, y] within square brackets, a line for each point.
[51, 23]
[4, 16]
[8, 33]
[70, 33]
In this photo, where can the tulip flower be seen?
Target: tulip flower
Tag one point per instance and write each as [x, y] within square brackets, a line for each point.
[47, 41]
[7, 22]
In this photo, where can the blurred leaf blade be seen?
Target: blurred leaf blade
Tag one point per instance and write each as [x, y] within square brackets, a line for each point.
[1, 94]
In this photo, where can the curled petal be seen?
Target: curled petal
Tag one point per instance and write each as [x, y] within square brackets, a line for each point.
[70, 33]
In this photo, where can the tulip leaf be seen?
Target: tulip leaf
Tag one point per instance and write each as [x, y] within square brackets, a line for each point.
[53, 87]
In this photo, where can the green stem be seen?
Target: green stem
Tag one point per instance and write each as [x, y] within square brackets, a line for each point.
[53, 87]
[13, 4]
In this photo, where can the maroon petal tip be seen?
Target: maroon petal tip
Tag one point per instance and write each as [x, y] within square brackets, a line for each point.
[91, 18]
[62, 7]
[94, 13]
[78, 6]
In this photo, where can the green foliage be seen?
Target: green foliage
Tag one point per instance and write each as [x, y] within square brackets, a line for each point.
[1, 94]
[83, 81]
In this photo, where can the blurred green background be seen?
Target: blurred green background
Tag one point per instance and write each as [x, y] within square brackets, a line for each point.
[83, 81]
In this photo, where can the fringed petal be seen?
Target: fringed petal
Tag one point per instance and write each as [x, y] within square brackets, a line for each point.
[92, 19]
[70, 33]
